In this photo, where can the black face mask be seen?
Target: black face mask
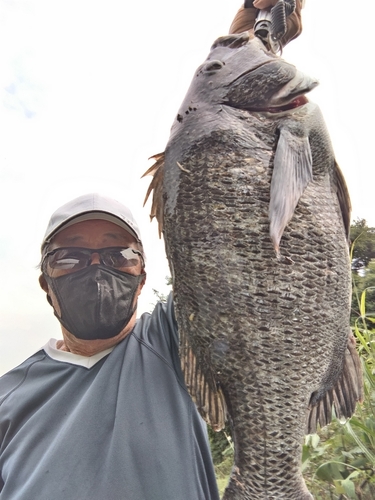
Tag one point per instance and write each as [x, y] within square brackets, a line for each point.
[95, 302]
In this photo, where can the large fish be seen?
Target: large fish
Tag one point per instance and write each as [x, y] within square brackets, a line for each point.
[255, 215]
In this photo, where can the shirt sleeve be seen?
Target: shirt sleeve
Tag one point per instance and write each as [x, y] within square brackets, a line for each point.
[159, 332]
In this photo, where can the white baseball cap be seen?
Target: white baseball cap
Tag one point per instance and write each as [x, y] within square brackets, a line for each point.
[88, 207]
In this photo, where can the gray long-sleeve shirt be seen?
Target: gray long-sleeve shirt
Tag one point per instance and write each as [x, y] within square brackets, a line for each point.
[116, 426]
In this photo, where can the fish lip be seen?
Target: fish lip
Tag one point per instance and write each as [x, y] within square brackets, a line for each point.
[297, 102]
[285, 107]
[251, 70]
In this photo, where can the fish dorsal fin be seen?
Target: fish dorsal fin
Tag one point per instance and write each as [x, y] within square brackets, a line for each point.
[342, 395]
[344, 199]
[201, 385]
[292, 171]
[156, 185]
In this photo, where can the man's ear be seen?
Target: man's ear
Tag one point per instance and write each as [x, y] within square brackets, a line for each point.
[141, 283]
[144, 278]
[44, 286]
[43, 283]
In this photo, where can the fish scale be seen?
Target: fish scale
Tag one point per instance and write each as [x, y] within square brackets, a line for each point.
[262, 298]
[254, 328]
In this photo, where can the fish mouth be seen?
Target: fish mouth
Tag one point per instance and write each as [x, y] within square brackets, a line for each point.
[295, 103]
[272, 87]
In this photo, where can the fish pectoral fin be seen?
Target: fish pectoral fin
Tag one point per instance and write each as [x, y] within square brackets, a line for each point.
[202, 388]
[292, 171]
[156, 185]
[342, 395]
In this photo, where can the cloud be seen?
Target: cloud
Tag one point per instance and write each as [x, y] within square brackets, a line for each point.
[22, 94]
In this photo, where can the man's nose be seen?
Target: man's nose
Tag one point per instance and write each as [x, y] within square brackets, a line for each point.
[95, 258]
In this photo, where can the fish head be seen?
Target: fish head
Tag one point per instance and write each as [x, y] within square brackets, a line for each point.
[239, 72]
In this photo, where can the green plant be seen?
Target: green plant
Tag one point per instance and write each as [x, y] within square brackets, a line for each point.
[339, 463]
[222, 454]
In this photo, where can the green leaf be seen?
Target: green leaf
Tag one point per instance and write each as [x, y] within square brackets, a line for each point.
[329, 471]
[354, 474]
[365, 450]
[349, 488]
[315, 439]
[362, 306]
[360, 463]
[340, 490]
[369, 375]
[357, 423]
[305, 453]
[362, 339]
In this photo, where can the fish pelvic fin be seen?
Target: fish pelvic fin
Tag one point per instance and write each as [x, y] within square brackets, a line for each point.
[343, 395]
[207, 396]
[156, 185]
[344, 199]
[292, 171]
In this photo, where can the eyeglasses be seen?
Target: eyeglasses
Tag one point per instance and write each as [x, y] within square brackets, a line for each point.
[73, 259]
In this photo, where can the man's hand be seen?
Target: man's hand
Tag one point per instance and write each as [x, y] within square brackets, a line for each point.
[263, 4]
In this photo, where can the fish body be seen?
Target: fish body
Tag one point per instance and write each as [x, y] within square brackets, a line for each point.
[255, 215]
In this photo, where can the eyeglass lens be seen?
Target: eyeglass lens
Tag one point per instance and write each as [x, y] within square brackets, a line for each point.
[73, 259]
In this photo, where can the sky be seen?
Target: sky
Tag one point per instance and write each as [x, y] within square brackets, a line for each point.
[88, 93]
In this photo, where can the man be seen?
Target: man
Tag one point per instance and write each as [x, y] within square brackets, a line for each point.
[260, 17]
[102, 414]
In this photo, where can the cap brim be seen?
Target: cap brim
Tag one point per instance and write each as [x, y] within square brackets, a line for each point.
[92, 216]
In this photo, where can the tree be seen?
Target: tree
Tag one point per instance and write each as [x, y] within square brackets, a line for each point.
[363, 267]
[363, 241]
